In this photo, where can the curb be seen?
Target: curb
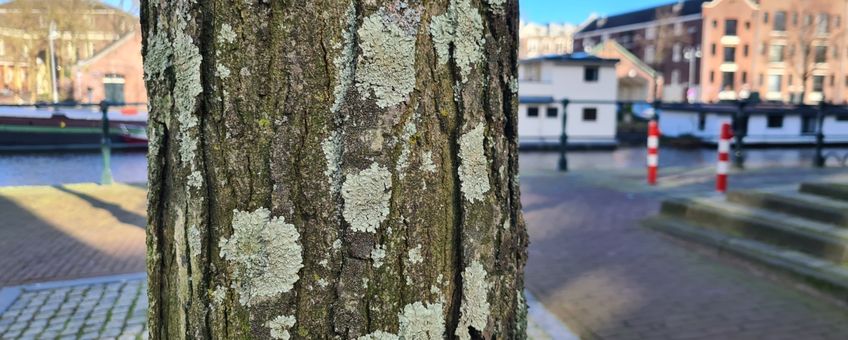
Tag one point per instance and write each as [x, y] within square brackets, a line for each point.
[8, 295]
[546, 321]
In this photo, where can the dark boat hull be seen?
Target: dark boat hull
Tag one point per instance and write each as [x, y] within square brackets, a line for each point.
[61, 133]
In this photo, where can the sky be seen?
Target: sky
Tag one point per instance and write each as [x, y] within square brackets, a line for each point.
[544, 11]
[575, 11]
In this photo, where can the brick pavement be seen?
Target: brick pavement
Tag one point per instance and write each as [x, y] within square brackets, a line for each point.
[72, 231]
[596, 268]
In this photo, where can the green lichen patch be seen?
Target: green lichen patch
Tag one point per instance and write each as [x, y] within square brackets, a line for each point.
[333, 154]
[280, 326]
[427, 162]
[474, 311]
[474, 167]
[158, 56]
[264, 255]
[187, 87]
[194, 241]
[409, 130]
[461, 26]
[222, 71]
[386, 67]
[422, 321]
[366, 198]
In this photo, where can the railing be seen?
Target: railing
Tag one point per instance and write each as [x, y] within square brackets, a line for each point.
[105, 135]
[739, 113]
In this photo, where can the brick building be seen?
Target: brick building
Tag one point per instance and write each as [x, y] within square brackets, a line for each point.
[83, 29]
[115, 73]
[664, 37]
[780, 49]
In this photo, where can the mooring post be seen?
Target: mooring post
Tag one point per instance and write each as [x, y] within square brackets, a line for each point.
[740, 126]
[105, 145]
[819, 160]
[563, 138]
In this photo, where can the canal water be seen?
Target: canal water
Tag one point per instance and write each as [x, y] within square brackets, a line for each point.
[131, 166]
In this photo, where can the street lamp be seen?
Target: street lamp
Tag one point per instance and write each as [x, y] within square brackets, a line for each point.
[50, 37]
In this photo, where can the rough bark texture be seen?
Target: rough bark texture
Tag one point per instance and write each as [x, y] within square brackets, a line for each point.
[333, 169]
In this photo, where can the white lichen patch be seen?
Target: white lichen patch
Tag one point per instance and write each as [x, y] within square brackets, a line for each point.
[461, 26]
[222, 71]
[474, 167]
[264, 254]
[409, 130]
[414, 255]
[474, 310]
[379, 335]
[427, 162]
[332, 153]
[195, 179]
[194, 241]
[506, 224]
[280, 326]
[377, 255]
[497, 5]
[187, 87]
[322, 283]
[366, 198]
[218, 295]
[158, 56]
[226, 35]
[386, 67]
[422, 321]
[344, 61]
[245, 72]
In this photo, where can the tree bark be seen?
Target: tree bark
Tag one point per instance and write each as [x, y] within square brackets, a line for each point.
[333, 169]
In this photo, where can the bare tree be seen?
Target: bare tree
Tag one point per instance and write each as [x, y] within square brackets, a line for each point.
[810, 29]
[334, 170]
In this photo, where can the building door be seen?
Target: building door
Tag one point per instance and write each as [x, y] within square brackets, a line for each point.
[113, 88]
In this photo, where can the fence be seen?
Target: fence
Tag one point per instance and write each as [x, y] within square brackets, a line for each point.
[73, 122]
[812, 124]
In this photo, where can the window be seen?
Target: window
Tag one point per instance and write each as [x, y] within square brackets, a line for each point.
[113, 87]
[818, 83]
[532, 111]
[780, 21]
[774, 121]
[715, 23]
[678, 28]
[727, 80]
[821, 54]
[832, 80]
[713, 49]
[774, 82]
[552, 112]
[702, 121]
[730, 27]
[649, 54]
[795, 19]
[822, 23]
[729, 54]
[747, 25]
[745, 50]
[808, 125]
[675, 77]
[590, 114]
[744, 77]
[675, 53]
[712, 76]
[765, 17]
[651, 32]
[776, 53]
[590, 74]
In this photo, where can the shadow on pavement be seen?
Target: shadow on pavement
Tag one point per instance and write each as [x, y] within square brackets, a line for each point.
[119, 212]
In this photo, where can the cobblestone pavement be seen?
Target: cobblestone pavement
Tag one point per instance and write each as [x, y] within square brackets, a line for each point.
[596, 268]
[71, 231]
[101, 308]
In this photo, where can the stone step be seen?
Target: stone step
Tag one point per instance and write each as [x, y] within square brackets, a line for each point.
[813, 207]
[817, 239]
[822, 274]
[837, 191]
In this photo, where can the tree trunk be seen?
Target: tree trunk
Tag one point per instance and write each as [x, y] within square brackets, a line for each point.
[333, 169]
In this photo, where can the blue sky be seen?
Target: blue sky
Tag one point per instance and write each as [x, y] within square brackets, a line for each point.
[575, 11]
[544, 11]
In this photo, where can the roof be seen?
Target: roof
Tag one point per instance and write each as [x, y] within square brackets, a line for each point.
[108, 49]
[627, 55]
[576, 58]
[535, 100]
[687, 7]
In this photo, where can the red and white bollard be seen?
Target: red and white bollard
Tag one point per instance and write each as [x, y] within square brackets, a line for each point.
[723, 157]
[653, 151]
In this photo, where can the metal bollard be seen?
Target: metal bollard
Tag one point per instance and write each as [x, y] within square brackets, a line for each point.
[563, 139]
[653, 151]
[723, 157]
[105, 145]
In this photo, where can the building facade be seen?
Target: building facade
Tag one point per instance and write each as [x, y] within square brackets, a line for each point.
[666, 38]
[784, 50]
[537, 40]
[79, 30]
[544, 82]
